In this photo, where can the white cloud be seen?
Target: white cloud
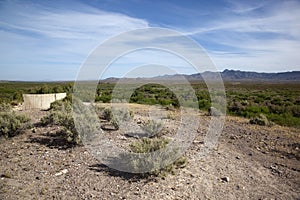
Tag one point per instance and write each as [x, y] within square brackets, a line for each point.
[265, 40]
[50, 37]
[45, 36]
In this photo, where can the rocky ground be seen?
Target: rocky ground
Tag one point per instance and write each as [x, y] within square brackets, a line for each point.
[250, 162]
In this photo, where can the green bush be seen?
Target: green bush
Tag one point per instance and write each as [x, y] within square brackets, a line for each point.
[104, 98]
[154, 94]
[10, 122]
[285, 120]
[204, 104]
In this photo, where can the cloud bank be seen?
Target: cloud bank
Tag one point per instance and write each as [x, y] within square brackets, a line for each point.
[47, 40]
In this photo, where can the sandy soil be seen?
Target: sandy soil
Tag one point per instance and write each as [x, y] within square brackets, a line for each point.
[250, 162]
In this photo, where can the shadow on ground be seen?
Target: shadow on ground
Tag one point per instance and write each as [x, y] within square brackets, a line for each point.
[131, 177]
[51, 140]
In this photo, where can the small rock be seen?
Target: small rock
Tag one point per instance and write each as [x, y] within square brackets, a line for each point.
[6, 175]
[198, 142]
[193, 175]
[108, 127]
[64, 171]
[232, 137]
[238, 187]
[225, 179]
[123, 137]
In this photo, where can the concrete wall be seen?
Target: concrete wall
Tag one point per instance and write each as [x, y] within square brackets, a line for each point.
[40, 101]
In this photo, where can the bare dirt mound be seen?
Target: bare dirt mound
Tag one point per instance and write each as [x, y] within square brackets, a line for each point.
[251, 162]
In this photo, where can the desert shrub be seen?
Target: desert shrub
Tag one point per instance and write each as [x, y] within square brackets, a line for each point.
[165, 102]
[69, 97]
[158, 163]
[104, 98]
[296, 111]
[170, 107]
[236, 107]
[276, 109]
[115, 117]
[18, 97]
[10, 122]
[277, 101]
[4, 107]
[265, 110]
[47, 88]
[107, 114]
[152, 128]
[58, 89]
[147, 145]
[154, 94]
[171, 116]
[116, 124]
[204, 104]
[253, 110]
[121, 114]
[99, 111]
[260, 120]
[285, 119]
[61, 115]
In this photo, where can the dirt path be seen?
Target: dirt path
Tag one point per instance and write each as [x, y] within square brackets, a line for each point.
[251, 162]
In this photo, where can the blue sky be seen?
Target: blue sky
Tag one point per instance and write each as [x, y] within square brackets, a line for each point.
[49, 40]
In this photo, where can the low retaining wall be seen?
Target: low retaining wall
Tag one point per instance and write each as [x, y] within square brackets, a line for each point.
[40, 101]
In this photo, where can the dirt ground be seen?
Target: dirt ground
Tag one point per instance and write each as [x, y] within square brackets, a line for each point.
[250, 162]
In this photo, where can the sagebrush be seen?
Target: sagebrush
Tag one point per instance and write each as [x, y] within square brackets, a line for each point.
[156, 165]
[10, 122]
[61, 115]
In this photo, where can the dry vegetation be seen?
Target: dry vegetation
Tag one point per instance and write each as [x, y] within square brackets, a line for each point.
[254, 159]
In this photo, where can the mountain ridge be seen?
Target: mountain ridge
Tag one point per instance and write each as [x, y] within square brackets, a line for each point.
[227, 75]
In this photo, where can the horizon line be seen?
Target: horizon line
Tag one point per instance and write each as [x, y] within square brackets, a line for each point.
[113, 77]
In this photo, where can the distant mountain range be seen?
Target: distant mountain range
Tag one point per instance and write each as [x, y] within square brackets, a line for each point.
[228, 75]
